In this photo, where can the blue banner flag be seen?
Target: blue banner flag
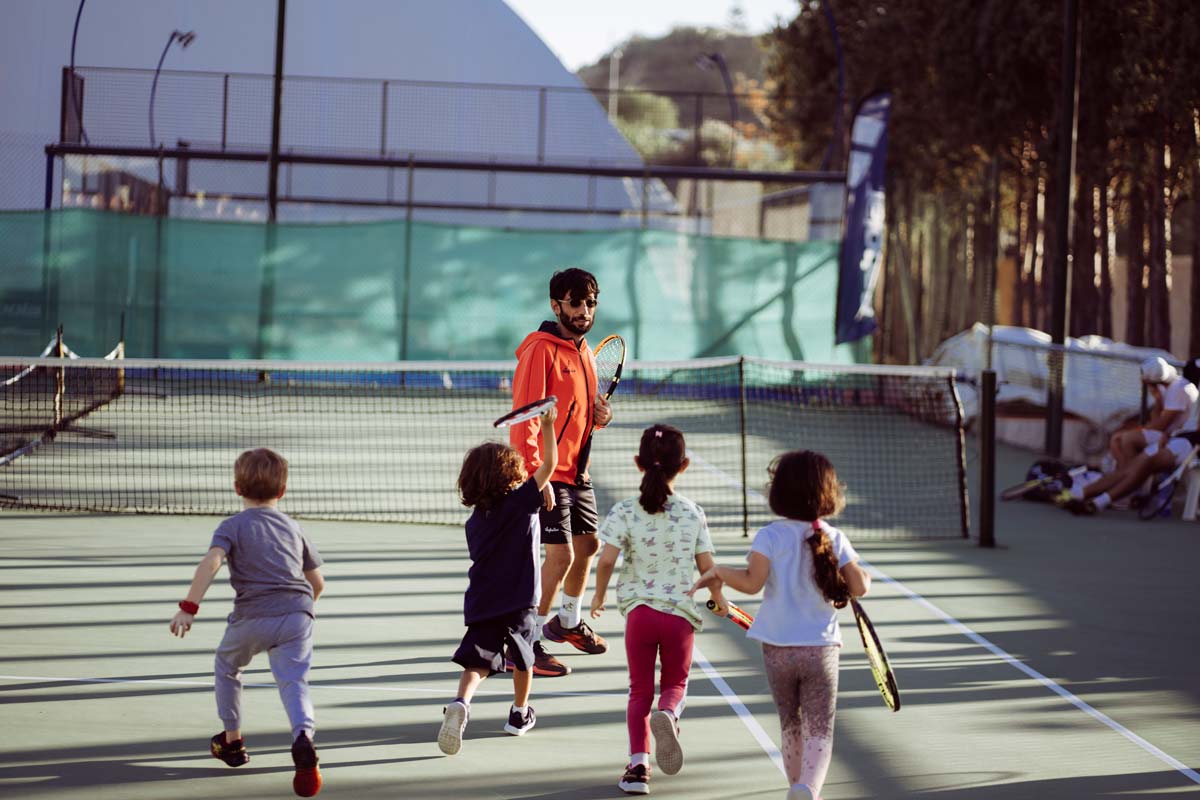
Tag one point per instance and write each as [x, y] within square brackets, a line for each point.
[862, 241]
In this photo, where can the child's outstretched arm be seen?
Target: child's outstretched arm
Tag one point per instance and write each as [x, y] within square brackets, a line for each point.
[604, 570]
[206, 570]
[316, 580]
[748, 580]
[704, 562]
[549, 449]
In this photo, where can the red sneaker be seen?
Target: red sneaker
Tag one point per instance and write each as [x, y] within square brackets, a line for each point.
[581, 637]
[544, 664]
[307, 781]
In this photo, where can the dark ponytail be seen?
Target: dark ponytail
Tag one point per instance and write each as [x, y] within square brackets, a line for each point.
[804, 486]
[825, 568]
[661, 456]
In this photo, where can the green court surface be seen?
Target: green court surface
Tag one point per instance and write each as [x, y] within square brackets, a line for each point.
[1061, 664]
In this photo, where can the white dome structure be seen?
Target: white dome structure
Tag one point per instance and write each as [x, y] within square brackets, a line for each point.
[454, 80]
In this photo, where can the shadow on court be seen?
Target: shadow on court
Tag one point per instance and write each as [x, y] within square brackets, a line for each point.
[108, 705]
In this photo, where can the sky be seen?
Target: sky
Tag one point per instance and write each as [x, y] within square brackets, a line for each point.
[580, 33]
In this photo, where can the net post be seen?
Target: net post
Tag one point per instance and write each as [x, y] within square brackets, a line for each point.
[742, 427]
[964, 504]
[987, 458]
[60, 378]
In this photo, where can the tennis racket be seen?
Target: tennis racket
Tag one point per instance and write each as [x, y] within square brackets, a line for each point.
[885, 679]
[1165, 491]
[610, 360]
[526, 412]
[1024, 488]
[732, 613]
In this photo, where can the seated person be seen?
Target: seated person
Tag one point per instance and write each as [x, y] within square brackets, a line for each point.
[1175, 400]
[1100, 494]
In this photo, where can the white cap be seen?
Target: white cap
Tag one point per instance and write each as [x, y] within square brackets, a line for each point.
[1157, 370]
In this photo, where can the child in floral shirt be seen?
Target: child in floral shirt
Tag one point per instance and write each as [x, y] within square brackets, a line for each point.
[663, 537]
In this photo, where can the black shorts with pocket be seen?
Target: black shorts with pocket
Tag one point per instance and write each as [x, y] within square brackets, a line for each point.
[488, 641]
[574, 512]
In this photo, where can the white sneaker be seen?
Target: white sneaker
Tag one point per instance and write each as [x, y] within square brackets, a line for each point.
[454, 722]
[667, 752]
[801, 791]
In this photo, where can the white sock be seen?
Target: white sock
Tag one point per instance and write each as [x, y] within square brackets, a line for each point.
[1101, 501]
[568, 613]
[520, 709]
[541, 620]
[640, 758]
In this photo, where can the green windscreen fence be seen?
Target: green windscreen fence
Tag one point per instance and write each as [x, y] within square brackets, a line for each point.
[398, 290]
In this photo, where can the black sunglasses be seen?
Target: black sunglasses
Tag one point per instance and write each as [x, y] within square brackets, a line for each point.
[590, 303]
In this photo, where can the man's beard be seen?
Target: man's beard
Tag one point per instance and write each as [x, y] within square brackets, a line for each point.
[565, 320]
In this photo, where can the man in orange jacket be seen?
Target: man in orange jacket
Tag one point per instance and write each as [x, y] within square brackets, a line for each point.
[556, 360]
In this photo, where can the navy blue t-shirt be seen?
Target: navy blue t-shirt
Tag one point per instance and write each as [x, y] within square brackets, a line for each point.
[503, 544]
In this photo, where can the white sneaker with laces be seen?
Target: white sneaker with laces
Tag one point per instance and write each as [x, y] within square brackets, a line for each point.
[454, 722]
[667, 752]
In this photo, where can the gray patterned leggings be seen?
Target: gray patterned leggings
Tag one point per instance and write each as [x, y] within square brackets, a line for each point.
[804, 682]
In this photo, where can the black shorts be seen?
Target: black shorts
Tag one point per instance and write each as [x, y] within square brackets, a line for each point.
[574, 513]
[488, 641]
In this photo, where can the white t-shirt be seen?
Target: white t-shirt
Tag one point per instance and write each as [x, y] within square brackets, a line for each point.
[793, 611]
[1181, 395]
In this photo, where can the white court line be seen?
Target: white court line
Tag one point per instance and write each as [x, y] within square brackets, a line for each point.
[314, 685]
[1050, 684]
[739, 708]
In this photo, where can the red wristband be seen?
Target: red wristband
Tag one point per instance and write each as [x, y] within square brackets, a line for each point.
[189, 607]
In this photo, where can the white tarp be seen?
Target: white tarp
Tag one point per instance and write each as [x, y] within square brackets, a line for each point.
[1104, 390]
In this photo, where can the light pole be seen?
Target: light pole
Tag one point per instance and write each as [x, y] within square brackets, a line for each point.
[74, 94]
[708, 61]
[184, 39]
[614, 75]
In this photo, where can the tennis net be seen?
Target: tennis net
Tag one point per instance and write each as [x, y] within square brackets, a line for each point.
[384, 441]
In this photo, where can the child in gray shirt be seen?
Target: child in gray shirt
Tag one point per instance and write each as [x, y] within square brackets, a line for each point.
[275, 572]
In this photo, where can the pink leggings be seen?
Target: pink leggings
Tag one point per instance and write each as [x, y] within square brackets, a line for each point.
[804, 683]
[652, 635]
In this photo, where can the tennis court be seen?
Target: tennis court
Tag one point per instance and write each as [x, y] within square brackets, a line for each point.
[1061, 664]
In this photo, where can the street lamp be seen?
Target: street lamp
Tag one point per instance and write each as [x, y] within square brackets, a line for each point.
[708, 61]
[184, 39]
[614, 75]
[74, 92]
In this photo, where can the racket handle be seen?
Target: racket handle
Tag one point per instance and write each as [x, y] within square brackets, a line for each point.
[712, 606]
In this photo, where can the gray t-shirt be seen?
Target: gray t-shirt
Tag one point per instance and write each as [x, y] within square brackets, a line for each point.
[267, 555]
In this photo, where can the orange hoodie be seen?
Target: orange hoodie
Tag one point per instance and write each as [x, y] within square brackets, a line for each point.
[547, 365]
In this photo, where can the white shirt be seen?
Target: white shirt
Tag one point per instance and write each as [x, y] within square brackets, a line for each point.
[1180, 395]
[793, 611]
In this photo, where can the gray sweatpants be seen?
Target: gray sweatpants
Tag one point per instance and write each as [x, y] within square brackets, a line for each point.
[288, 642]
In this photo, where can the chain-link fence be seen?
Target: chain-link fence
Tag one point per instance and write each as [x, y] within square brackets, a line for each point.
[422, 119]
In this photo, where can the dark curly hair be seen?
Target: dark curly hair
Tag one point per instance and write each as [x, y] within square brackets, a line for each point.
[804, 486]
[661, 456]
[489, 472]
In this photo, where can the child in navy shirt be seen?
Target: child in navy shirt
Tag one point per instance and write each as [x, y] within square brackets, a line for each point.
[504, 583]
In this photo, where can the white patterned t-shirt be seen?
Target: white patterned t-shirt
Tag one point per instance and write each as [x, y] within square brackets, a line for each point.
[659, 553]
